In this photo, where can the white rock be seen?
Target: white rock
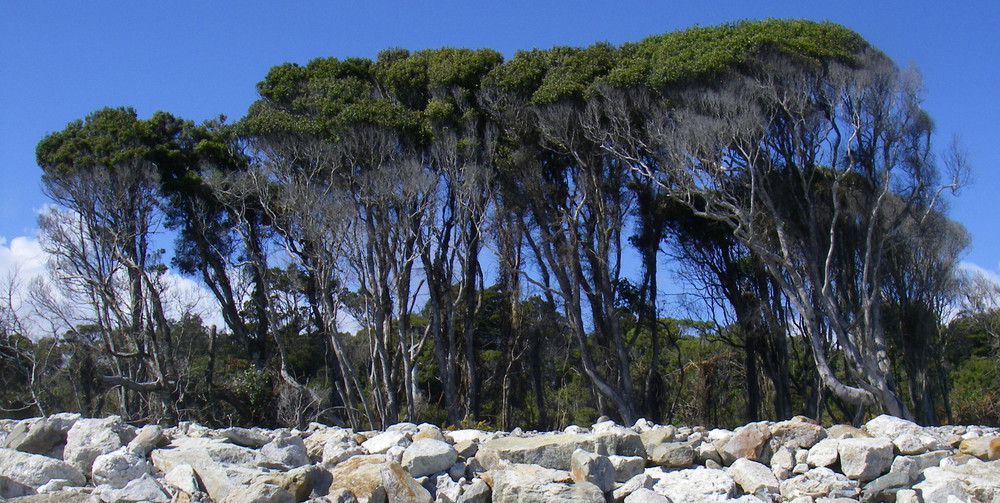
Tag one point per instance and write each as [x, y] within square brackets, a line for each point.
[640, 481]
[824, 453]
[183, 477]
[782, 463]
[334, 453]
[516, 483]
[908, 496]
[144, 488]
[89, 438]
[695, 485]
[146, 439]
[476, 436]
[975, 477]
[593, 468]
[627, 467]
[35, 470]
[220, 465]
[428, 456]
[643, 495]
[119, 467]
[820, 482]
[865, 458]
[382, 442]
[287, 450]
[753, 477]
[478, 491]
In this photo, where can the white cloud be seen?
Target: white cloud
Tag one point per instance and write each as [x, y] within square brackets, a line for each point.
[977, 270]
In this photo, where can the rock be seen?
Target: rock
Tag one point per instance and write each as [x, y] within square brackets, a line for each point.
[220, 465]
[753, 477]
[627, 467]
[254, 438]
[476, 492]
[400, 487]
[554, 450]
[381, 443]
[89, 438]
[707, 453]
[593, 468]
[903, 474]
[361, 475]
[889, 426]
[34, 470]
[184, 477]
[259, 492]
[534, 484]
[819, 482]
[54, 485]
[427, 430]
[824, 453]
[974, 479]
[428, 456]
[39, 435]
[798, 432]
[750, 442]
[694, 485]
[839, 431]
[337, 496]
[10, 488]
[144, 488]
[457, 470]
[864, 458]
[643, 495]
[984, 448]
[118, 468]
[908, 496]
[146, 439]
[286, 450]
[640, 481]
[300, 482]
[657, 435]
[466, 449]
[334, 453]
[782, 463]
[475, 436]
[672, 455]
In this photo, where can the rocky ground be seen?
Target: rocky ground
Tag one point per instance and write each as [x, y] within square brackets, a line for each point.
[65, 458]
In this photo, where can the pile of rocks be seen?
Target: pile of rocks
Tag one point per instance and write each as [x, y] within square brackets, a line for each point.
[66, 458]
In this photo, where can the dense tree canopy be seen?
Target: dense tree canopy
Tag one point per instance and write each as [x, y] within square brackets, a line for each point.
[445, 235]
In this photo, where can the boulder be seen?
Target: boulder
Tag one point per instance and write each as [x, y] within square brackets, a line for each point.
[750, 442]
[797, 433]
[657, 435]
[643, 495]
[974, 479]
[903, 473]
[864, 459]
[381, 443]
[39, 435]
[984, 448]
[671, 455]
[554, 450]
[184, 477]
[10, 488]
[478, 491]
[89, 438]
[523, 483]
[286, 450]
[401, 487]
[322, 438]
[627, 467]
[640, 481]
[259, 492]
[818, 483]
[22, 469]
[254, 438]
[426, 430]
[782, 463]
[145, 488]
[361, 475]
[428, 456]
[117, 468]
[824, 453]
[845, 431]
[753, 477]
[695, 485]
[146, 439]
[220, 465]
[593, 468]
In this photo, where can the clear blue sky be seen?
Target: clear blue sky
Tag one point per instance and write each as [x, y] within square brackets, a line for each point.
[62, 60]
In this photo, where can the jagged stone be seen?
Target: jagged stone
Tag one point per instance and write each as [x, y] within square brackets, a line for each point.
[361, 475]
[10, 488]
[839, 431]
[145, 488]
[39, 435]
[184, 477]
[627, 467]
[984, 448]
[400, 487]
[593, 468]
[466, 448]
[824, 453]
[974, 479]
[286, 450]
[902, 474]
[864, 459]
[554, 450]
[798, 432]
[694, 485]
[753, 477]
[644, 495]
[254, 438]
[819, 482]
[478, 491]
[782, 463]
[750, 442]
[522, 483]
[89, 438]
[426, 430]
[671, 455]
[640, 481]
[220, 465]
[146, 439]
[259, 492]
[34, 470]
[657, 435]
[428, 456]
[381, 443]
[117, 468]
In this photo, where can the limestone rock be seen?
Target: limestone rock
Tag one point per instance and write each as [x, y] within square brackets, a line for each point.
[753, 477]
[593, 468]
[521, 483]
[146, 439]
[695, 485]
[361, 475]
[381, 443]
[819, 482]
[184, 477]
[89, 438]
[144, 488]
[824, 453]
[643, 495]
[782, 463]
[400, 487]
[750, 442]
[798, 432]
[427, 430]
[119, 467]
[554, 450]
[286, 450]
[320, 439]
[428, 456]
[259, 492]
[476, 492]
[839, 431]
[220, 465]
[974, 479]
[657, 435]
[984, 448]
[627, 467]
[10, 488]
[864, 458]
[640, 481]
[671, 455]
[39, 435]
[254, 438]
[34, 470]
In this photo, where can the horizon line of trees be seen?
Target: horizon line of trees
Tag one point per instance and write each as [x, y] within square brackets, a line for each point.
[785, 166]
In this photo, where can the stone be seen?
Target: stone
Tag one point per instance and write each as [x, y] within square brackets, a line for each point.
[220, 465]
[338, 496]
[643, 495]
[286, 450]
[694, 485]
[478, 491]
[89, 438]
[593, 468]
[782, 463]
[39, 435]
[974, 479]
[146, 439]
[428, 456]
[671, 455]
[254, 438]
[184, 477]
[145, 488]
[457, 470]
[908, 496]
[426, 430]
[34, 470]
[753, 477]
[627, 467]
[320, 439]
[554, 450]
[798, 432]
[259, 492]
[400, 487]
[819, 482]
[466, 448]
[119, 467]
[839, 431]
[361, 475]
[902, 474]
[475, 436]
[381, 443]
[984, 448]
[657, 435]
[640, 481]
[54, 485]
[824, 453]
[534, 484]
[10, 488]
[706, 453]
[334, 453]
[750, 441]
[864, 459]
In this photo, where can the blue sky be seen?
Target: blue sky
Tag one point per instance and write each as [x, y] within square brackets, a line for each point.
[62, 60]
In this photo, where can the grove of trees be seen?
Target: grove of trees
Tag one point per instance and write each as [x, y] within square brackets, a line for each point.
[446, 235]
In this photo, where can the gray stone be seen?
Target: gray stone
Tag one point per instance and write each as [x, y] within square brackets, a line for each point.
[254, 438]
[220, 465]
[426, 430]
[750, 442]
[657, 435]
[819, 482]
[39, 435]
[10, 488]
[554, 450]
[839, 431]
[34, 470]
[640, 481]
[798, 432]
[466, 448]
[534, 484]
[89, 438]
[643, 495]
[671, 455]
[782, 463]
[259, 492]
[401, 487]
[974, 479]
[695, 485]
[381, 443]
[184, 477]
[144, 488]
[478, 491]
[593, 468]
[865, 458]
[361, 475]
[753, 477]
[286, 450]
[428, 456]
[119, 467]
[824, 453]
[146, 439]
[627, 467]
